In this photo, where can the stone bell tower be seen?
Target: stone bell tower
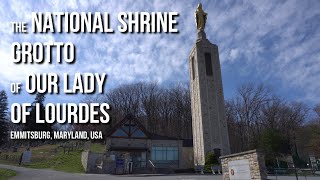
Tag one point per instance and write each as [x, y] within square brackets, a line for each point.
[209, 126]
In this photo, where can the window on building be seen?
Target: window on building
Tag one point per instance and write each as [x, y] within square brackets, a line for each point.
[138, 133]
[192, 68]
[129, 129]
[207, 57]
[120, 133]
[160, 153]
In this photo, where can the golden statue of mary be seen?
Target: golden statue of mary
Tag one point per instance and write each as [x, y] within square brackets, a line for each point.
[201, 18]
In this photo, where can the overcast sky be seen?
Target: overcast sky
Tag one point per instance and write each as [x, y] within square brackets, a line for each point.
[263, 41]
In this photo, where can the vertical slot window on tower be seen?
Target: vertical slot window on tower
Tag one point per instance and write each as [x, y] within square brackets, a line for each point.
[192, 68]
[207, 57]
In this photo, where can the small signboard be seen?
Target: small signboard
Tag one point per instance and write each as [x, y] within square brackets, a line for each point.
[119, 163]
[113, 157]
[239, 169]
[313, 161]
[26, 157]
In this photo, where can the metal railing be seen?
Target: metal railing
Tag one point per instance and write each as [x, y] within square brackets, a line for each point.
[297, 172]
[151, 163]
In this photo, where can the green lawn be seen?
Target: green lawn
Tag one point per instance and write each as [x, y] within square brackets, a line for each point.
[61, 162]
[9, 162]
[53, 157]
[50, 157]
[6, 174]
[98, 148]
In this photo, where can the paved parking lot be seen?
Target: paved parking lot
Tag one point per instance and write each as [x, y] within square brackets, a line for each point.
[35, 174]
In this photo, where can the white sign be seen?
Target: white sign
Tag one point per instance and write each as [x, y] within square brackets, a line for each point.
[239, 169]
[312, 159]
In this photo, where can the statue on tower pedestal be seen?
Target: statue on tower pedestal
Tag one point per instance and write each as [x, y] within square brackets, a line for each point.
[201, 18]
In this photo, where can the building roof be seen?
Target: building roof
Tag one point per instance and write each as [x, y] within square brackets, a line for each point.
[130, 127]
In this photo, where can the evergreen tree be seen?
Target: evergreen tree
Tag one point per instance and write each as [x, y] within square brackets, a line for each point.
[31, 124]
[3, 117]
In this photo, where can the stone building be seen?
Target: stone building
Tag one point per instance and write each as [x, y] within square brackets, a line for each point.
[130, 148]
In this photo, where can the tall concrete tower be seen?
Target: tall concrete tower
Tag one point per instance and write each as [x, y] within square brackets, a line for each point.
[209, 126]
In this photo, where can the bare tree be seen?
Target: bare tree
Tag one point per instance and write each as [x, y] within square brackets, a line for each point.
[150, 95]
[254, 110]
[317, 111]
[250, 114]
[246, 107]
[164, 111]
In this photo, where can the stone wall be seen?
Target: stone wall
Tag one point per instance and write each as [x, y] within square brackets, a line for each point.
[186, 158]
[84, 160]
[209, 126]
[255, 161]
[90, 161]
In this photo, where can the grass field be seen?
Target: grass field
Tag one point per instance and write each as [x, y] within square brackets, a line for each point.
[62, 162]
[53, 157]
[97, 148]
[7, 174]
[50, 157]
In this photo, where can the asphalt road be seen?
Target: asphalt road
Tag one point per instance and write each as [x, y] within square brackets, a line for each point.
[40, 174]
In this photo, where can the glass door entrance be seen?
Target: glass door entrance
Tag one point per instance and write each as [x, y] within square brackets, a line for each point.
[139, 159]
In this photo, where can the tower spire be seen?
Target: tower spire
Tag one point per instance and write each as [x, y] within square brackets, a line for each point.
[209, 126]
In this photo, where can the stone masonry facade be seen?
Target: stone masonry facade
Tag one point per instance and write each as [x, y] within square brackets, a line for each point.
[209, 125]
[256, 164]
